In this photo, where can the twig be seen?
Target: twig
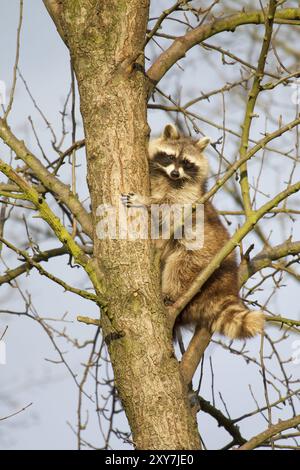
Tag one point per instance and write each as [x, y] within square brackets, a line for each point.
[12, 93]
[16, 413]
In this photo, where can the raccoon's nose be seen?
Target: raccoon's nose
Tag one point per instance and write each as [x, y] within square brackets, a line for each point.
[175, 174]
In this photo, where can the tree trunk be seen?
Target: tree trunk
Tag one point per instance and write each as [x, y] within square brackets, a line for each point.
[106, 43]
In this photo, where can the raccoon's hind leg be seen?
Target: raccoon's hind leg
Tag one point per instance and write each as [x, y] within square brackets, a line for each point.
[172, 281]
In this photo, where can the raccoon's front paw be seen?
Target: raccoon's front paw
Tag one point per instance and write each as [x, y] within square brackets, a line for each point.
[130, 200]
[168, 301]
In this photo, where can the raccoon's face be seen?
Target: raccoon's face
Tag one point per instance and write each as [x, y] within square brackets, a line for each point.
[180, 159]
[174, 166]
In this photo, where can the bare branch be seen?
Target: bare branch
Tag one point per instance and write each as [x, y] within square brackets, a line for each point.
[252, 98]
[53, 221]
[272, 431]
[16, 412]
[223, 421]
[264, 259]
[53, 184]
[192, 356]
[34, 264]
[183, 44]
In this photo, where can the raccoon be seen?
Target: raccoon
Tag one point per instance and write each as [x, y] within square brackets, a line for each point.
[178, 175]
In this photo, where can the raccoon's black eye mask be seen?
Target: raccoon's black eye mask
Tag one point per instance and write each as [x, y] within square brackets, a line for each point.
[188, 165]
[163, 158]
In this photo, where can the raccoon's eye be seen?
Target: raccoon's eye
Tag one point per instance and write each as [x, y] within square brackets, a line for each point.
[167, 158]
[164, 159]
[187, 164]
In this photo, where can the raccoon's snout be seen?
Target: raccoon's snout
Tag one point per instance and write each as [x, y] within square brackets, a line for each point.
[175, 174]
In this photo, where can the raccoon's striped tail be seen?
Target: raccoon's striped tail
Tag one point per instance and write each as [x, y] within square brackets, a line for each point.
[236, 321]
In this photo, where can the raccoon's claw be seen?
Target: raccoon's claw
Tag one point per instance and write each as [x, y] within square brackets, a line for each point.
[168, 301]
[128, 199]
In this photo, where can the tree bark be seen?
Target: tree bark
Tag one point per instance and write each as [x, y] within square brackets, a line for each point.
[106, 43]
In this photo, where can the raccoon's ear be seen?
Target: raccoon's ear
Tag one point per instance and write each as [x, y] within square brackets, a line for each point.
[203, 143]
[170, 132]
